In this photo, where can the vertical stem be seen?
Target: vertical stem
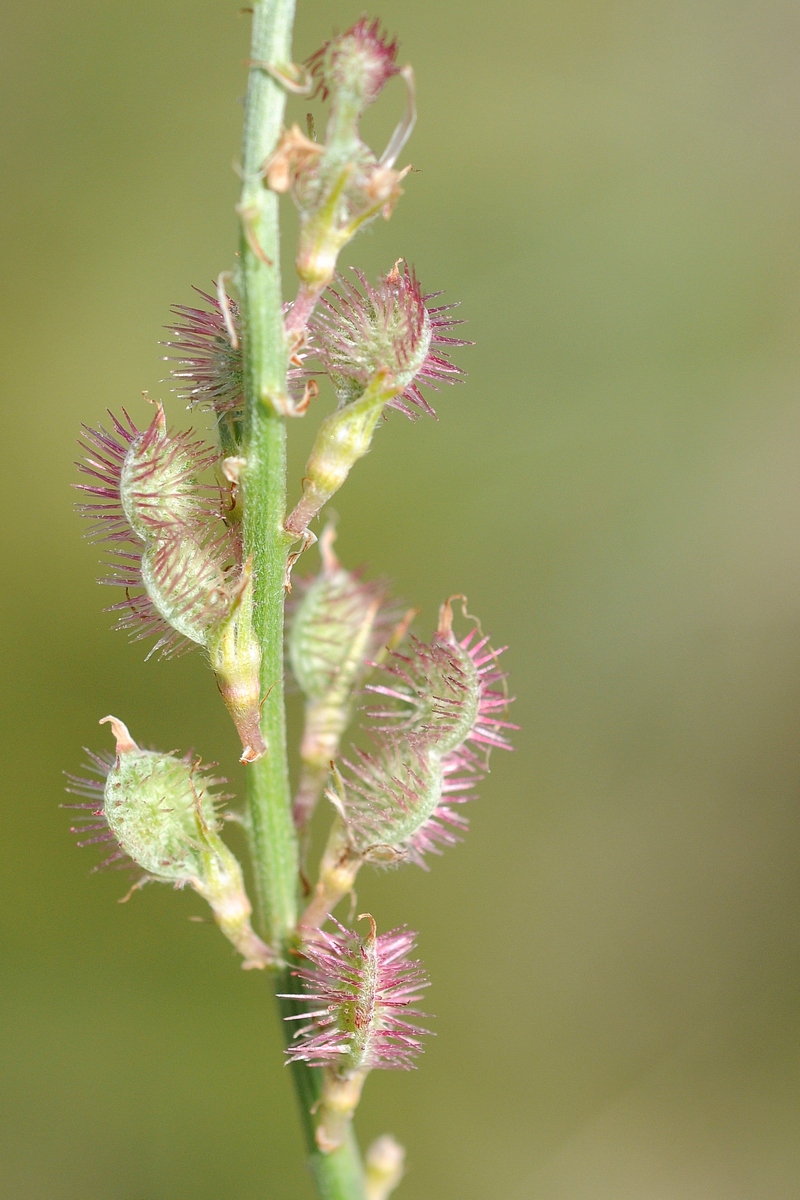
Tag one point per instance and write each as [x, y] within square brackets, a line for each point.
[274, 843]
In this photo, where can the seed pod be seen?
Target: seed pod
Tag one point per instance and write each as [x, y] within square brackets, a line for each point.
[363, 990]
[148, 482]
[181, 570]
[341, 186]
[391, 327]
[376, 347]
[338, 628]
[209, 367]
[161, 812]
[440, 716]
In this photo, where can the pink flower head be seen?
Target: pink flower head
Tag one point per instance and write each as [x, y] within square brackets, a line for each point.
[388, 327]
[358, 63]
[362, 991]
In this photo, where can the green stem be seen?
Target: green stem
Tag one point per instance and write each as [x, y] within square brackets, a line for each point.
[339, 1175]
[274, 842]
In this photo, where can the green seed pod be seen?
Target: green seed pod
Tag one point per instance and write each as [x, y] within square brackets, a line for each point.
[186, 585]
[159, 488]
[340, 627]
[162, 811]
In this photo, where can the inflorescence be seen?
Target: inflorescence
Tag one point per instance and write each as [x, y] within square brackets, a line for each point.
[171, 510]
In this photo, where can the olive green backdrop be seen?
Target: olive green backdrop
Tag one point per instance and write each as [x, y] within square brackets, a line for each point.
[613, 191]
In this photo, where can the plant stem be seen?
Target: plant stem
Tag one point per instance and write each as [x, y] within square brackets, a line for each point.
[339, 1175]
[273, 837]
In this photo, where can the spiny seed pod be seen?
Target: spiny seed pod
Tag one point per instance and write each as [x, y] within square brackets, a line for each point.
[442, 715]
[377, 348]
[341, 186]
[364, 990]
[161, 811]
[148, 481]
[339, 627]
[356, 65]
[433, 737]
[209, 368]
[184, 591]
[387, 327]
[154, 500]
[182, 573]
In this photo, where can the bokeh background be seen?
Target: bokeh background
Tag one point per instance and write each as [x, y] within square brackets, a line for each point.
[612, 188]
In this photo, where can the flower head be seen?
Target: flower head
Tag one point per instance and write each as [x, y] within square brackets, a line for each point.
[388, 327]
[358, 63]
[362, 991]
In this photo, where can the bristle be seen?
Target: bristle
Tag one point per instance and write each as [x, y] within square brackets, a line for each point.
[361, 330]
[361, 991]
[440, 714]
[362, 59]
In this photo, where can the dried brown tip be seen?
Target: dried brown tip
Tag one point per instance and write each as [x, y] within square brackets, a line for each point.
[373, 928]
[125, 743]
[445, 629]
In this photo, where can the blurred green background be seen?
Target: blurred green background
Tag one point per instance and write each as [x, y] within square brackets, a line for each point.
[612, 188]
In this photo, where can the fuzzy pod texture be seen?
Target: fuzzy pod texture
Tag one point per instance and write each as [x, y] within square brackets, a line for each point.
[160, 812]
[207, 353]
[362, 992]
[208, 370]
[177, 560]
[392, 327]
[339, 626]
[171, 551]
[440, 714]
[146, 484]
[377, 345]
